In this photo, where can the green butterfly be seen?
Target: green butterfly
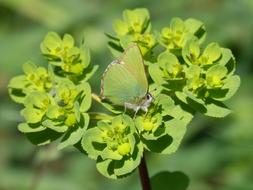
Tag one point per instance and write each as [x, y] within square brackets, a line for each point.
[124, 82]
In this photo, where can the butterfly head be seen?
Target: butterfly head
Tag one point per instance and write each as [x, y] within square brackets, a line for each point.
[147, 101]
[149, 97]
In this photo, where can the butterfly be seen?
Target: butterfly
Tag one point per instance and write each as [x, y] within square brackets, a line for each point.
[124, 81]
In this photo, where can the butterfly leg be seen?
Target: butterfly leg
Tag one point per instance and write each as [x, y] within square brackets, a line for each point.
[125, 107]
[136, 111]
[145, 109]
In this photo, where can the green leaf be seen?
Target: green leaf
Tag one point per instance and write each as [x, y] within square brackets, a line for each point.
[217, 70]
[90, 136]
[56, 126]
[68, 41]
[179, 111]
[18, 82]
[215, 76]
[32, 115]
[191, 51]
[105, 167]
[194, 49]
[114, 109]
[89, 74]
[210, 107]
[40, 100]
[120, 27]
[230, 87]
[85, 55]
[216, 109]
[212, 51]
[43, 137]
[75, 133]
[115, 49]
[15, 88]
[175, 129]
[158, 145]
[29, 68]
[85, 96]
[227, 60]
[197, 28]
[193, 71]
[30, 128]
[156, 74]
[169, 62]
[170, 180]
[232, 84]
[126, 41]
[177, 24]
[53, 111]
[51, 42]
[119, 168]
[137, 19]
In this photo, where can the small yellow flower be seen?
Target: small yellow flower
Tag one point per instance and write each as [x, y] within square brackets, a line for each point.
[124, 149]
[71, 119]
[148, 126]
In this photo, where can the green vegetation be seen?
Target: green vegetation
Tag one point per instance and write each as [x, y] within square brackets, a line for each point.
[188, 76]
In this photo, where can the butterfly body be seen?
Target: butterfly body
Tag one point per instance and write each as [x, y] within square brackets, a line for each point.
[124, 82]
[142, 104]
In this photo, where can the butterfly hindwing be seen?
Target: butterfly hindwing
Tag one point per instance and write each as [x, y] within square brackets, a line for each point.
[119, 86]
[125, 80]
[132, 58]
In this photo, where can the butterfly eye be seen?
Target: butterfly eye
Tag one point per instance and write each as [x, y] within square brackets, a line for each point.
[149, 97]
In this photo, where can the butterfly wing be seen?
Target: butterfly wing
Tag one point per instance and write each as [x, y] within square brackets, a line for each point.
[133, 61]
[125, 80]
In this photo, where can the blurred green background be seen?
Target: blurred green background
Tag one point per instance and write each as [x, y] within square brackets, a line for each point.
[216, 153]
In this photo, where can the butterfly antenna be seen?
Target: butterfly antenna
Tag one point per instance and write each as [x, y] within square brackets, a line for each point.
[151, 92]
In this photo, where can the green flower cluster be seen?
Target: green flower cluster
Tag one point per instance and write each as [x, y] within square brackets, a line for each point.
[162, 129]
[134, 27]
[186, 80]
[175, 36]
[64, 55]
[115, 145]
[54, 106]
[201, 79]
[34, 79]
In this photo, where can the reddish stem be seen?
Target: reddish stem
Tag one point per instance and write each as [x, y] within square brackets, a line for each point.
[143, 172]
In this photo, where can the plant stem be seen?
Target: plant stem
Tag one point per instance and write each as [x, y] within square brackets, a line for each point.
[39, 171]
[99, 116]
[96, 97]
[143, 172]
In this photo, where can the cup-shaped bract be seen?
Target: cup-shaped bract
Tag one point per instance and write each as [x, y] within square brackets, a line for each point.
[135, 27]
[163, 127]
[176, 35]
[136, 21]
[115, 145]
[34, 79]
[63, 111]
[67, 59]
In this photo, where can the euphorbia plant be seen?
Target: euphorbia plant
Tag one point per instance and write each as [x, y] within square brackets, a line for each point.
[184, 78]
